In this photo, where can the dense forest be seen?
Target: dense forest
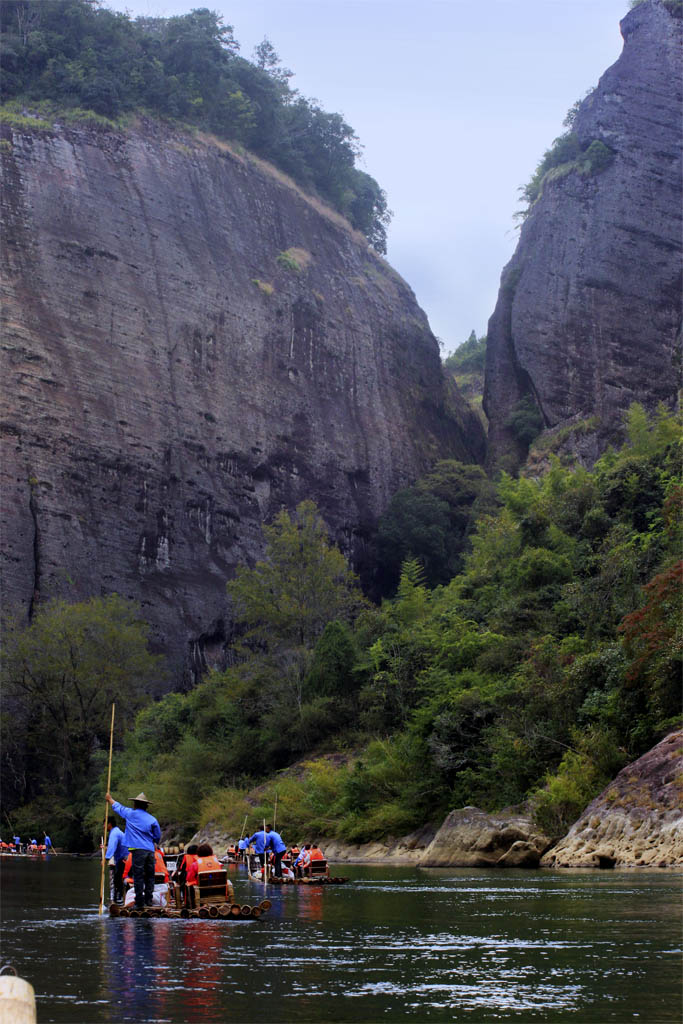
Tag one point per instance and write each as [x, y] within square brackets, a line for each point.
[84, 63]
[528, 648]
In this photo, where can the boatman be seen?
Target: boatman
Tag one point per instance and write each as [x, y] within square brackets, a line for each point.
[49, 848]
[258, 841]
[274, 842]
[117, 851]
[142, 834]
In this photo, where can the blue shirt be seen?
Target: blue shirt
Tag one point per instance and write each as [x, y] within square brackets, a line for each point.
[275, 842]
[243, 844]
[116, 847]
[258, 841]
[48, 841]
[142, 830]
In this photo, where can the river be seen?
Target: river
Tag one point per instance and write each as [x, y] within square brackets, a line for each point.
[392, 944]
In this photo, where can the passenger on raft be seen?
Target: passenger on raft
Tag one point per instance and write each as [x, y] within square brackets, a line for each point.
[179, 876]
[160, 879]
[302, 861]
[207, 861]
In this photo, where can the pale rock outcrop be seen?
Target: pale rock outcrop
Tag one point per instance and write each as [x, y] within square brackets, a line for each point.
[469, 837]
[637, 821]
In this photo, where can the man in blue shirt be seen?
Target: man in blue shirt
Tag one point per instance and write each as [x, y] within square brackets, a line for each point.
[274, 842]
[48, 844]
[142, 832]
[258, 841]
[117, 851]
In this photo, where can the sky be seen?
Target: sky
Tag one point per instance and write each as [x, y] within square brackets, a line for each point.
[454, 102]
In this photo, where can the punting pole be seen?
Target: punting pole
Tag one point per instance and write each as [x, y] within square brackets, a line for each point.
[106, 806]
[265, 855]
[275, 811]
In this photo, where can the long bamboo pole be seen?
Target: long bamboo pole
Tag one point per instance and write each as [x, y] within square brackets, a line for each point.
[275, 811]
[106, 811]
[265, 855]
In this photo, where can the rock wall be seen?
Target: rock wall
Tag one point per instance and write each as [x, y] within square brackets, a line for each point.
[588, 317]
[189, 345]
[637, 821]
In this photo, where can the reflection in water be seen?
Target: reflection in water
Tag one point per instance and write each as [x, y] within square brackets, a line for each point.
[136, 971]
[392, 944]
[203, 943]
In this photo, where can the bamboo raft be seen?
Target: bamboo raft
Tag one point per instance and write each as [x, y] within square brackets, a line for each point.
[225, 911]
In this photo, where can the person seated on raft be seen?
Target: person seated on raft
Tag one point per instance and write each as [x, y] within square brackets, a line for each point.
[160, 884]
[179, 876]
[303, 860]
[33, 845]
[206, 861]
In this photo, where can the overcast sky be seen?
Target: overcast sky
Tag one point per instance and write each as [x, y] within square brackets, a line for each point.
[454, 101]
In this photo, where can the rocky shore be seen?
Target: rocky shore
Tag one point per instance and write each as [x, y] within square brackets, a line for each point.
[637, 821]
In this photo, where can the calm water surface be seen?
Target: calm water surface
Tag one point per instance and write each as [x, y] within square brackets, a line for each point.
[392, 944]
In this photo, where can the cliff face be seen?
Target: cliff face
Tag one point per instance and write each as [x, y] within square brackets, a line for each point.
[171, 379]
[588, 317]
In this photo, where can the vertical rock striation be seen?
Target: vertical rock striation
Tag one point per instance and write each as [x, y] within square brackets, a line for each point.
[189, 345]
[588, 317]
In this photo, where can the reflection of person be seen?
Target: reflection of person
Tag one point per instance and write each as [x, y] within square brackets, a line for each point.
[142, 833]
[116, 851]
[274, 842]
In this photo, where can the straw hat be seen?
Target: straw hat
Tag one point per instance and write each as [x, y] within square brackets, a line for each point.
[141, 798]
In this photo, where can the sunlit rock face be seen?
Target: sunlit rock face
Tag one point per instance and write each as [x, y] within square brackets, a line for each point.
[171, 379]
[588, 317]
[637, 821]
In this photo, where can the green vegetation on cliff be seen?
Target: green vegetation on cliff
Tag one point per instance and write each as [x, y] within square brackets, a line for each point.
[99, 65]
[547, 662]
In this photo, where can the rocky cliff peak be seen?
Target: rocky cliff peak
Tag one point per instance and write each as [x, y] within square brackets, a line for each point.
[588, 317]
[191, 344]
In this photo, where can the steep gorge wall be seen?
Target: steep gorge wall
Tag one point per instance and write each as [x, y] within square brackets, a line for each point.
[169, 383]
[588, 317]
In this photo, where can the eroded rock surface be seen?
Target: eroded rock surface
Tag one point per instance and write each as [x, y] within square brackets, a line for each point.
[588, 316]
[469, 837]
[637, 821]
[189, 345]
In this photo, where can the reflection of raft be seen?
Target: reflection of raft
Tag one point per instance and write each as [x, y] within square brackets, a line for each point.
[231, 911]
[320, 880]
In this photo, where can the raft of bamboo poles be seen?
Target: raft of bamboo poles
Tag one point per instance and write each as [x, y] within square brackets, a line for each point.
[232, 911]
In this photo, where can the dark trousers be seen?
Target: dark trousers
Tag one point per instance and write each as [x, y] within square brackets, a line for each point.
[117, 881]
[143, 877]
[277, 865]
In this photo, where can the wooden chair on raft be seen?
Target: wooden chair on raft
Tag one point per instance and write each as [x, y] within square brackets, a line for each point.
[317, 868]
[213, 887]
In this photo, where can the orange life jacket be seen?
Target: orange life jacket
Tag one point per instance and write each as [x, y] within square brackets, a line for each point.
[317, 854]
[159, 865]
[210, 863]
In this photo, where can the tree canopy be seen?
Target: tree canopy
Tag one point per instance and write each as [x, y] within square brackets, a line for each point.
[77, 54]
